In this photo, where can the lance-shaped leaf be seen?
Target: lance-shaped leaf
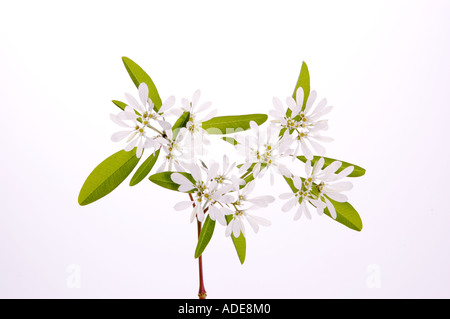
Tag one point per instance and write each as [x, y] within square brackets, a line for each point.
[138, 75]
[239, 242]
[107, 176]
[120, 105]
[232, 123]
[303, 82]
[163, 179]
[205, 236]
[357, 170]
[180, 123]
[346, 214]
[144, 169]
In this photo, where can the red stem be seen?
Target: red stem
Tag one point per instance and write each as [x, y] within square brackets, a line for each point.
[201, 290]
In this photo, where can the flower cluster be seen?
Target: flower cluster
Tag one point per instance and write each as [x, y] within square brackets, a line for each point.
[223, 191]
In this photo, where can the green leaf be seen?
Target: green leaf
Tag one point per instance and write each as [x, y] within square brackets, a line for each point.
[232, 124]
[239, 243]
[303, 82]
[346, 215]
[144, 169]
[357, 171]
[205, 236]
[181, 122]
[345, 212]
[120, 105]
[138, 76]
[107, 176]
[163, 179]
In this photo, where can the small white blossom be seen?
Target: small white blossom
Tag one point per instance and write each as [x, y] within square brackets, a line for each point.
[241, 207]
[304, 125]
[317, 187]
[207, 193]
[137, 118]
[174, 150]
[265, 150]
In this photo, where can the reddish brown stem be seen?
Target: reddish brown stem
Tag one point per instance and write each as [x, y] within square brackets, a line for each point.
[201, 290]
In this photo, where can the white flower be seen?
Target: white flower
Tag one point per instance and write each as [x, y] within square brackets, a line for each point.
[302, 196]
[241, 208]
[207, 193]
[223, 174]
[317, 187]
[264, 150]
[174, 150]
[196, 135]
[137, 119]
[329, 187]
[305, 125]
[145, 109]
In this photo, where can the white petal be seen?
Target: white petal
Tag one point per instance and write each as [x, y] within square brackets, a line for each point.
[118, 136]
[311, 99]
[143, 93]
[320, 150]
[333, 167]
[342, 186]
[186, 105]
[292, 106]
[118, 121]
[297, 182]
[345, 172]
[210, 115]
[276, 114]
[306, 151]
[167, 104]
[286, 195]
[166, 126]
[140, 148]
[331, 208]
[131, 145]
[299, 96]
[278, 105]
[283, 170]
[308, 168]
[203, 107]
[183, 205]
[307, 212]
[127, 116]
[133, 103]
[318, 165]
[260, 220]
[196, 172]
[180, 179]
[289, 204]
[236, 227]
[212, 171]
[338, 197]
[195, 98]
[299, 212]
[254, 126]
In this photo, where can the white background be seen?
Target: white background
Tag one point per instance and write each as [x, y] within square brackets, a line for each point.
[383, 65]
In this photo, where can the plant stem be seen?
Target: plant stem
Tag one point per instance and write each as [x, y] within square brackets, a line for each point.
[201, 290]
